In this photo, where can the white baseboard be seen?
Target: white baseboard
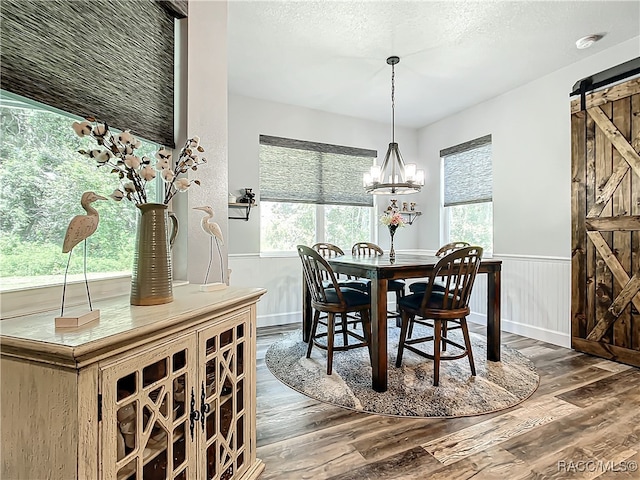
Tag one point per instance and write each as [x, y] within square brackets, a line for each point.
[274, 320]
[550, 336]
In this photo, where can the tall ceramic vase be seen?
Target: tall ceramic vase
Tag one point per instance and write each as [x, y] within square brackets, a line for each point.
[392, 232]
[151, 278]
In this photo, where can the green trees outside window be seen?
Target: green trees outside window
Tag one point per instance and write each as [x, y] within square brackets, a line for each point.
[42, 178]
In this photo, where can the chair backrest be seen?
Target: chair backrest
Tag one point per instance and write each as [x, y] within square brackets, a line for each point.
[456, 273]
[328, 250]
[450, 247]
[316, 270]
[366, 248]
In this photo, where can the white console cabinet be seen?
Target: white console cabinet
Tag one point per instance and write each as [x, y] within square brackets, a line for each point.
[145, 392]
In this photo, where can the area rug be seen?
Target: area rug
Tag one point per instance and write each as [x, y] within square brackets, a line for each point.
[410, 393]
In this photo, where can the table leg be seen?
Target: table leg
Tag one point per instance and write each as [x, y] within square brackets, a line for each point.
[306, 311]
[493, 314]
[379, 334]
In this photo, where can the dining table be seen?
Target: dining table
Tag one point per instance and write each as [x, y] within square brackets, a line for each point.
[379, 270]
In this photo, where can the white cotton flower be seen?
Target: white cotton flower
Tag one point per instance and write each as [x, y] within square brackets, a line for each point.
[103, 156]
[182, 184]
[117, 195]
[163, 154]
[126, 138]
[167, 175]
[100, 130]
[81, 128]
[194, 142]
[147, 173]
[132, 161]
[129, 187]
[163, 165]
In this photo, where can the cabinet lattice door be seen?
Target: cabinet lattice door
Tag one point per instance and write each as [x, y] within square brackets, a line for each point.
[146, 414]
[606, 223]
[225, 390]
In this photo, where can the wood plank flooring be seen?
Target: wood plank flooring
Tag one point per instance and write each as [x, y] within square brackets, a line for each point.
[583, 422]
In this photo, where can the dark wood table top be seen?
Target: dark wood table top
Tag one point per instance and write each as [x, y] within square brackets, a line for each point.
[405, 265]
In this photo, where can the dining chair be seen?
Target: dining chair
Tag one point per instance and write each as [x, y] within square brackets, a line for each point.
[329, 250]
[333, 299]
[457, 272]
[442, 251]
[397, 286]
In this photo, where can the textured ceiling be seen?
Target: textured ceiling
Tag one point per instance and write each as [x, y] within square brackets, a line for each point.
[331, 56]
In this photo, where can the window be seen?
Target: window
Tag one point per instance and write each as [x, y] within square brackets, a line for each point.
[468, 193]
[42, 177]
[312, 192]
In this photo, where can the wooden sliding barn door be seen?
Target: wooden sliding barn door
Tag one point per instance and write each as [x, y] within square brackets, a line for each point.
[605, 269]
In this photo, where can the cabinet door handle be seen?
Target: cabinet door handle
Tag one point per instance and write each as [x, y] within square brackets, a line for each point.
[204, 407]
[195, 414]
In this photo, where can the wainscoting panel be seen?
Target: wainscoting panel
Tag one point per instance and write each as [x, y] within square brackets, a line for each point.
[536, 299]
[535, 293]
[281, 276]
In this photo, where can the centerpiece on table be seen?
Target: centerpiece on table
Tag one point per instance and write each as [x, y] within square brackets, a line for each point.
[151, 277]
[393, 220]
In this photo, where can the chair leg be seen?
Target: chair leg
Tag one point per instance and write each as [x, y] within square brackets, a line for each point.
[345, 337]
[403, 336]
[314, 327]
[330, 332]
[437, 332]
[444, 335]
[467, 342]
[399, 295]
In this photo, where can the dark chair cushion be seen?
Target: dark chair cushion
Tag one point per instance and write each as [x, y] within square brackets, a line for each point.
[420, 287]
[352, 296]
[394, 285]
[414, 300]
[357, 284]
[365, 285]
[360, 285]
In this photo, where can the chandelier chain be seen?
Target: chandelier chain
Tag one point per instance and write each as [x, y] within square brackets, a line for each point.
[393, 103]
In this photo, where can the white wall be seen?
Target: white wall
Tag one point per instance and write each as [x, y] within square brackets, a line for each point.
[531, 154]
[250, 117]
[530, 128]
[207, 117]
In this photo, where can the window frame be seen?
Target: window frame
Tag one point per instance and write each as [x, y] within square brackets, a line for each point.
[320, 227]
[445, 224]
[307, 196]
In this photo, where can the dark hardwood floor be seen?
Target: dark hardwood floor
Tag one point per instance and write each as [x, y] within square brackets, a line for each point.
[582, 422]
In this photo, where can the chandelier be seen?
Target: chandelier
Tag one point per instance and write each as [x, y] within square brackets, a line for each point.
[393, 176]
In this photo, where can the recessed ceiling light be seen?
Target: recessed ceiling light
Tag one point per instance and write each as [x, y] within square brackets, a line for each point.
[586, 42]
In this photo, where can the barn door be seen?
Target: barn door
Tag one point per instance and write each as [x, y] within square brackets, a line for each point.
[605, 269]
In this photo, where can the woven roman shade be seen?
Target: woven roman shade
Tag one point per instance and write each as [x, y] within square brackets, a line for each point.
[307, 172]
[112, 59]
[468, 174]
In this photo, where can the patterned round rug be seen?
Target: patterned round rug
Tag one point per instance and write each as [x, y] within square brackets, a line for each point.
[410, 393]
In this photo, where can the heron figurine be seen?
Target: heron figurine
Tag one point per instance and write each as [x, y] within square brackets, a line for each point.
[212, 229]
[80, 228]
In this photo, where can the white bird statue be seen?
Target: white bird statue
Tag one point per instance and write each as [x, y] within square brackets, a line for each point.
[80, 228]
[213, 229]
